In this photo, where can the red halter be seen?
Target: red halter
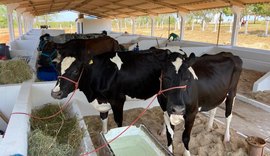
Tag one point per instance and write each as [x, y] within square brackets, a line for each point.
[72, 81]
[168, 89]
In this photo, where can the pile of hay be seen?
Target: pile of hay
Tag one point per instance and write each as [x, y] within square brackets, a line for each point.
[14, 71]
[60, 135]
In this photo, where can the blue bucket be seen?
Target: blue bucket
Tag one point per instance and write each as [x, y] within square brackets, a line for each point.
[47, 73]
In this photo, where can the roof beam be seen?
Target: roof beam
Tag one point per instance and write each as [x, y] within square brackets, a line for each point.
[92, 13]
[196, 3]
[51, 5]
[85, 2]
[234, 2]
[134, 8]
[34, 8]
[10, 1]
[67, 4]
[163, 3]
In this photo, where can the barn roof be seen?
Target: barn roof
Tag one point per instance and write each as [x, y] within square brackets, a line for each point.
[122, 8]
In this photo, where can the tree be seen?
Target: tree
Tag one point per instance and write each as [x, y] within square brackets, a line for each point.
[227, 11]
[257, 10]
[3, 16]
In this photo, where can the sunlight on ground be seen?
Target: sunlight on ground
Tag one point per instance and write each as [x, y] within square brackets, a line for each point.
[253, 39]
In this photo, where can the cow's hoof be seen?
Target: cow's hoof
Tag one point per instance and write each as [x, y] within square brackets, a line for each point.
[226, 139]
[186, 153]
[209, 129]
[162, 132]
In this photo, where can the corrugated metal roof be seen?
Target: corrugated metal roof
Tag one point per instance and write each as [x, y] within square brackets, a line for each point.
[123, 8]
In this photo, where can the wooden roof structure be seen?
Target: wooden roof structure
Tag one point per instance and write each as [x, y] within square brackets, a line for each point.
[123, 8]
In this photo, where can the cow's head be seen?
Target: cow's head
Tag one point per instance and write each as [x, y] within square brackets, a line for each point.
[70, 70]
[43, 41]
[48, 51]
[178, 72]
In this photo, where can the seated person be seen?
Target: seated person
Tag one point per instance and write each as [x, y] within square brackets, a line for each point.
[173, 36]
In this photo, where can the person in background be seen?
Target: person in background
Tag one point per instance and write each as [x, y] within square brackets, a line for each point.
[174, 37]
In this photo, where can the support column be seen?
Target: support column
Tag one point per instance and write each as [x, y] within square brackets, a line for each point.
[10, 8]
[152, 25]
[19, 19]
[26, 16]
[267, 25]
[133, 25]
[183, 16]
[237, 13]
[246, 27]
[80, 24]
[120, 24]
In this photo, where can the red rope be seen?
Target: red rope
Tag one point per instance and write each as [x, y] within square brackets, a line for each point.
[47, 117]
[76, 87]
[62, 108]
[139, 116]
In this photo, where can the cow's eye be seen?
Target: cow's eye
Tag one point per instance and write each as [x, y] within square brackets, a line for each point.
[75, 72]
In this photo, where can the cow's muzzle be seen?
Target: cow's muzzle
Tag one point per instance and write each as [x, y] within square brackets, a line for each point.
[57, 95]
[177, 110]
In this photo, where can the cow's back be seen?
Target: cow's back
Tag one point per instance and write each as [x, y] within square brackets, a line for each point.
[216, 74]
[140, 72]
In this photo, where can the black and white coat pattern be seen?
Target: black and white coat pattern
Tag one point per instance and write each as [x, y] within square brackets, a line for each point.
[210, 80]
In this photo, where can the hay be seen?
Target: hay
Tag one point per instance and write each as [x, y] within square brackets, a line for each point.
[14, 71]
[42, 144]
[61, 134]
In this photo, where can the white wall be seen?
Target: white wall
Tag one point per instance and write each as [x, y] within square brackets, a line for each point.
[8, 98]
[96, 25]
[254, 59]
[24, 45]
[263, 83]
[147, 43]
[127, 39]
[53, 32]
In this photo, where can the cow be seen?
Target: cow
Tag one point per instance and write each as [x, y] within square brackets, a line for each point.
[93, 46]
[48, 45]
[206, 82]
[108, 78]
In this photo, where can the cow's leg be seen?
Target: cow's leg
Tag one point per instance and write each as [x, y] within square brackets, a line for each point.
[104, 119]
[212, 114]
[189, 121]
[169, 131]
[228, 114]
[117, 108]
[163, 131]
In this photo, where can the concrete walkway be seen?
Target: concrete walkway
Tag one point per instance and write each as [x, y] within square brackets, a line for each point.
[248, 120]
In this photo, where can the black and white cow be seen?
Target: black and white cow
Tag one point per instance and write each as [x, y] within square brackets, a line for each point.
[109, 77]
[206, 82]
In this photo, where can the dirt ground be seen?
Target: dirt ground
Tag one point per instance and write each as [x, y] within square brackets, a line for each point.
[247, 79]
[202, 143]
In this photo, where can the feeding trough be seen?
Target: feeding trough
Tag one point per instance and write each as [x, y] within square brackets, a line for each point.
[135, 141]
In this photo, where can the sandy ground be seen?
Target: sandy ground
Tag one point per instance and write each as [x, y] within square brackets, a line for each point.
[247, 79]
[202, 143]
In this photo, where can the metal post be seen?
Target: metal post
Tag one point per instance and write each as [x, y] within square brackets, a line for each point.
[152, 25]
[219, 27]
[183, 16]
[10, 8]
[237, 13]
[133, 25]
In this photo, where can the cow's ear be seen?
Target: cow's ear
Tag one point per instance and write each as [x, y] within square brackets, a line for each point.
[47, 37]
[191, 59]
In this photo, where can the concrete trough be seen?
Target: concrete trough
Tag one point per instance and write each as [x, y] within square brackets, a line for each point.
[29, 96]
[135, 141]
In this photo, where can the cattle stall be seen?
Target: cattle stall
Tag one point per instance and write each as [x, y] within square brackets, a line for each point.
[37, 90]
